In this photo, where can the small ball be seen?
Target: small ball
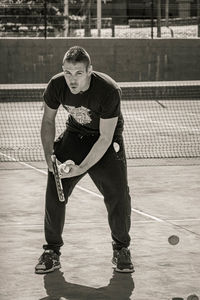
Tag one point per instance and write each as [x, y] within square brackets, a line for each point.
[66, 169]
[173, 240]
[66, 165]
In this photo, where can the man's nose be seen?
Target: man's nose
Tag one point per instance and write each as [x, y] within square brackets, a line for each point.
[73, 79]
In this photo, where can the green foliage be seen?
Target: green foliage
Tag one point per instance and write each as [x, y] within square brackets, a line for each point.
[33, 15]
[30, 14]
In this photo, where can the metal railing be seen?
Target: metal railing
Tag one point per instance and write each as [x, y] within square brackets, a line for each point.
[72, 18]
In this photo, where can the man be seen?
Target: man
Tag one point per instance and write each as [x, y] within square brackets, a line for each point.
[93, 141]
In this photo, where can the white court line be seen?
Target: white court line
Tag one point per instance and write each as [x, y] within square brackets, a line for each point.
[185, 220]
[168, 222]
[100, 196]
[147, 215]
[23, 163]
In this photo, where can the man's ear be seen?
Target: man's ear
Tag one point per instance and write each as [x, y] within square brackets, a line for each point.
[90, 69]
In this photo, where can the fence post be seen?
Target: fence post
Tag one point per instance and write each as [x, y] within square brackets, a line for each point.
[45, 19]
[88, 18]
[166, 13]
[66, 15]
[99, 17]
[152, 17]
[158, 18]
[198, 17]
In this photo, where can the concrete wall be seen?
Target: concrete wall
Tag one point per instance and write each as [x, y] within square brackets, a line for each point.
[35, 60]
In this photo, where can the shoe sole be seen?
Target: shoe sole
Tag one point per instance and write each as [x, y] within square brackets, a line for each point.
[121, 270]
[124, 270]
[47, 271]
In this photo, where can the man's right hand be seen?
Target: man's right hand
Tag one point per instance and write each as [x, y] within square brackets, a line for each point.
[49, 164]
[48, 133]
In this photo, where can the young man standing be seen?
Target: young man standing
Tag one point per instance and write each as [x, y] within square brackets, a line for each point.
[93, 140]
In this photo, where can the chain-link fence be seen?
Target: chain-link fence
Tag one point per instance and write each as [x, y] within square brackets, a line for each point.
[118, 18]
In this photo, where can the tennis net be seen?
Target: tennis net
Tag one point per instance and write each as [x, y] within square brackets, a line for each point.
[162, 120]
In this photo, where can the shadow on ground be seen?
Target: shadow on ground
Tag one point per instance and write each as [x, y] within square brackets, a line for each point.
[120, 287]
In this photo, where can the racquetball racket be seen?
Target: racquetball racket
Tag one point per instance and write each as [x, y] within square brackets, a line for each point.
[58, 181]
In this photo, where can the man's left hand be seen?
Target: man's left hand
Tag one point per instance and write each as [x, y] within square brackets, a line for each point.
[74, 170]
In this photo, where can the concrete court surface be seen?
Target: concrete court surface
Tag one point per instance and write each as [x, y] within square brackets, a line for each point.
[165, 201]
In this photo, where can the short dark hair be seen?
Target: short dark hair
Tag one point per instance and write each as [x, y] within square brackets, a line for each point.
[77, 54]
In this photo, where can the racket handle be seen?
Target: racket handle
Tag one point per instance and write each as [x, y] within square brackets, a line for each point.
[58, 181]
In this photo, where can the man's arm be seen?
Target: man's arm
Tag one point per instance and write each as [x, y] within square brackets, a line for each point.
[107, 129]
[48, 133]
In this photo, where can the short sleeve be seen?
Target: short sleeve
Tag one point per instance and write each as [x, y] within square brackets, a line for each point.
[110, 105]
[50, 96]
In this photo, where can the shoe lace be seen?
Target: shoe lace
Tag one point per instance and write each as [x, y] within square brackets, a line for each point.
[45, 256]
[125, 253]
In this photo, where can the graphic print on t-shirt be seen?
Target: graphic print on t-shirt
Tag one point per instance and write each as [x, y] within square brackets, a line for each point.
[80, 114]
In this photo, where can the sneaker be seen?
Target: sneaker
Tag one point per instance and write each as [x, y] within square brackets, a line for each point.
[48, 262]
[122, 260]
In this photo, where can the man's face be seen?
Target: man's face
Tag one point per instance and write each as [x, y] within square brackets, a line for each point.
[76, 76]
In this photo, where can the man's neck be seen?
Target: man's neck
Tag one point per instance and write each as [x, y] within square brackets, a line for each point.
[87, 86]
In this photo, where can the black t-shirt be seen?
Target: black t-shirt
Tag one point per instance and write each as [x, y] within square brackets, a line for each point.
[101, 100]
